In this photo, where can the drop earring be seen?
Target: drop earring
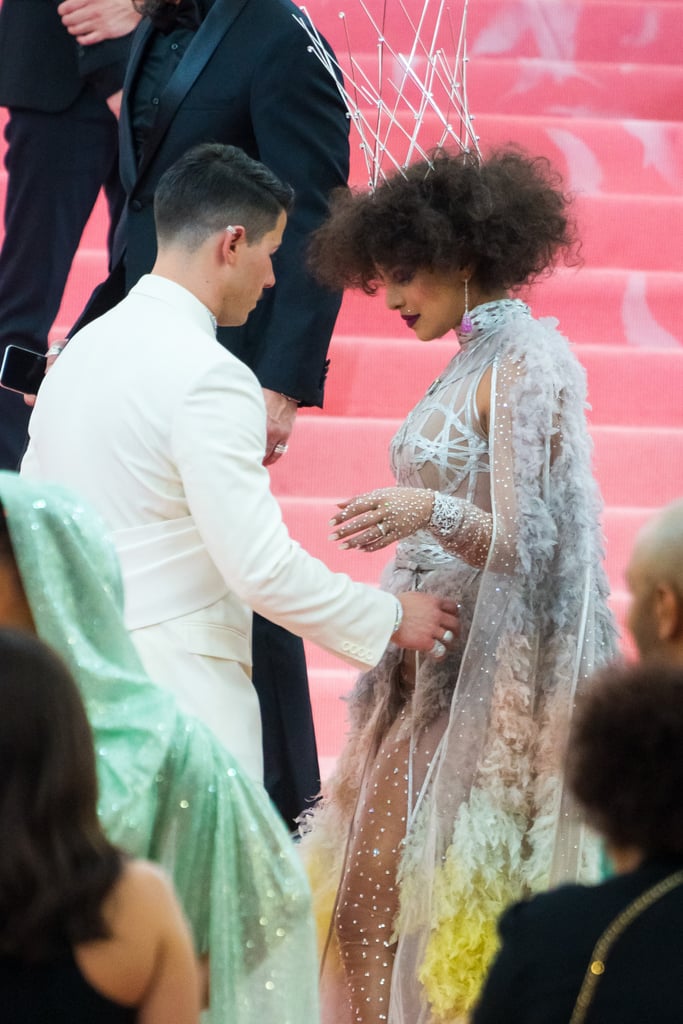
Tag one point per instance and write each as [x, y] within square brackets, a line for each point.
[466, 322]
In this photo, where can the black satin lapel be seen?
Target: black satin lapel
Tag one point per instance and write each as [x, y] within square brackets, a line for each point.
[127, 159]
[206, 39]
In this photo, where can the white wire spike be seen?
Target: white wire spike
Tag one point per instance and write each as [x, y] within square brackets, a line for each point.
[403, 105]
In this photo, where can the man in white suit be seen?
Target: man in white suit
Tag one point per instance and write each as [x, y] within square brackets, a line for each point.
[164, 431]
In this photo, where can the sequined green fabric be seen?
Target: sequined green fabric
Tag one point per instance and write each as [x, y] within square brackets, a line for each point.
[168, 790]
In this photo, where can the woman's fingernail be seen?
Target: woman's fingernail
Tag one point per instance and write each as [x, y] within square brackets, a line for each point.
[333, 536]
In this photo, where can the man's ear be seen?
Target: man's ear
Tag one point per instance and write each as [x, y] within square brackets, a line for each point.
[230, 241]
[668, 612]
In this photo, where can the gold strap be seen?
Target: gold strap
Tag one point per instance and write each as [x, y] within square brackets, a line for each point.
[596, 968]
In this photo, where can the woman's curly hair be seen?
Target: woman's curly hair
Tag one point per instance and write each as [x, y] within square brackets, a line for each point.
[624, 762]
[505, 217]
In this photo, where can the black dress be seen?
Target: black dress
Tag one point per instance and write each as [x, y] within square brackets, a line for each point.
[54, 991]
[547, 945]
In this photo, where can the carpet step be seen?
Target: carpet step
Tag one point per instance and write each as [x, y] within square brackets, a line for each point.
[631, 232]
[626, 32]
[523, 86]
[593, 154]
[625, 386]
[588, 30]
[334, 458]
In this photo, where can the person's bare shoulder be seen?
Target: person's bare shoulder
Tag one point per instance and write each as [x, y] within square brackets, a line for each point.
[149, 959]
[143, 885]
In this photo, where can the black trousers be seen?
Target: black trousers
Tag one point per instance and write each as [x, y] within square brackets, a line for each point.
[291, 772]
[56, 164]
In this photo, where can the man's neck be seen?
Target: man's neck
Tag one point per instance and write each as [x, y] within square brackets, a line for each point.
[625, 858]
[192, 283]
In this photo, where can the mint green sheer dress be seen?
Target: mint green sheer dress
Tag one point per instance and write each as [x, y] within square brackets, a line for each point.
[168, 790]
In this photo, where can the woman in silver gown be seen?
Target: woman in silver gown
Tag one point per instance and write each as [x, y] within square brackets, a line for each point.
[447, 803]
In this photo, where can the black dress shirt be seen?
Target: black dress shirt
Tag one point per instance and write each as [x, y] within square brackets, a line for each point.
[181, 14]
[164, 52]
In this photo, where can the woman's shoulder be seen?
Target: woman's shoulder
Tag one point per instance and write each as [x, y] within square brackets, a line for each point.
[537, 339]
[540, 358]
[138, 873]
[141, 913]
[140, 906]
[140, 885]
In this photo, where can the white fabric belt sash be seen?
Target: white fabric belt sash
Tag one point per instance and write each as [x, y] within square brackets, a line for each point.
[167, 571]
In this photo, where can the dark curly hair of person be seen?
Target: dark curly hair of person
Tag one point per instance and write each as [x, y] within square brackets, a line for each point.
[624, 762]
[505, 217]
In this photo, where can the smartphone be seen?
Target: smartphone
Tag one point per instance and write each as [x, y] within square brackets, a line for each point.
[22, 370]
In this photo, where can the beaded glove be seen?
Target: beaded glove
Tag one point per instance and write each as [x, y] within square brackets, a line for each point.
[371, 521]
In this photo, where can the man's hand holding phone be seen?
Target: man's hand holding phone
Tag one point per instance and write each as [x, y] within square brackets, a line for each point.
[23, 369]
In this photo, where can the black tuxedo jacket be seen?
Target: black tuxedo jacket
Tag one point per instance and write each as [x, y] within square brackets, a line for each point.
[43, 68]
[547, 945]
[248, 80]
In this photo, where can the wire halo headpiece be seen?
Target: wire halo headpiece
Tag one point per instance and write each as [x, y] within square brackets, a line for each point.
[408, 104]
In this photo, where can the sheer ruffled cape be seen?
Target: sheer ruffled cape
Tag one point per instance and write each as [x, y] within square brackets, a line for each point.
[168, 790]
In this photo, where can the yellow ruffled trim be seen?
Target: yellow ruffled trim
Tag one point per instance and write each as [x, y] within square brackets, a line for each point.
[481, 875]
[324, 886]
[461, 948]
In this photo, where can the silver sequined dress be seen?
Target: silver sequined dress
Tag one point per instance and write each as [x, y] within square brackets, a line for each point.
[447, 803]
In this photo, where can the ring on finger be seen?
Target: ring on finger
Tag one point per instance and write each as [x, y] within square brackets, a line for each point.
[437, 649]
[382, 528]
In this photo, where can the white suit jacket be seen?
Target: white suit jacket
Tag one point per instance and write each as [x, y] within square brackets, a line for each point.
[163, 431]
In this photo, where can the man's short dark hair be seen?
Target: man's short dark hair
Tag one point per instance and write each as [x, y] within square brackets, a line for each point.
[212, 186]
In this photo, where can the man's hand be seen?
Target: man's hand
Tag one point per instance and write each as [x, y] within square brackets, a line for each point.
[53, 351]
[92, 21]
[429, 623]
[371, 521]
[281, 415]
[114, 103]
